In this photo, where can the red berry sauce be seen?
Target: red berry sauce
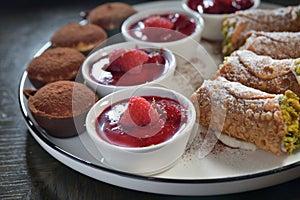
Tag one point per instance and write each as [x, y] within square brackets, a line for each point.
[105, 72]
[219, 6]
[110, 130]
[182, 26]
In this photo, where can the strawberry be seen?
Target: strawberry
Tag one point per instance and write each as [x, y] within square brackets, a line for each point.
[165, 133]
[139, 112]
[181, 22]
[193, 4]
[115, 54]
[156, 58]
[159, 22]
[184, 25]
[230, 6]
[171, 111]
[227, 6]
[141, 118]
[132, 60]
[213, 7]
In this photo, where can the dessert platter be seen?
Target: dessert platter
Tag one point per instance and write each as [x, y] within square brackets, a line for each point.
[190, 163]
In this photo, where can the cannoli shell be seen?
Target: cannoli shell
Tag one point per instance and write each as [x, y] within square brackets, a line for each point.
[277, 20]
[278, 45]
[241, 112]
[260, 72]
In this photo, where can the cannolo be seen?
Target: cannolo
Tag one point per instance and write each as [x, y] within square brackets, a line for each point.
[278, 45]
[261, 72]
[235, 26]
[269, 121]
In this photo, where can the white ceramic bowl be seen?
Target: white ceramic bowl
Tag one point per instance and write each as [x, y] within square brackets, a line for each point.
[102, 89]
[142, 160]
[184, 47]
[213, 22]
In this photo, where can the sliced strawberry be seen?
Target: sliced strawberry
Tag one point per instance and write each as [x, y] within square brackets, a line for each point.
[132, 60]
[215, 8]
[159, 22]
[171, 111]
[112, 68]
[181, 22]
[184, 25]
[156, 58]
[115, 54]
[226, 6]
[193, 4]
[165, 133]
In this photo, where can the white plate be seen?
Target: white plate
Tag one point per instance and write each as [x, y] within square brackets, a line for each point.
[224, 170]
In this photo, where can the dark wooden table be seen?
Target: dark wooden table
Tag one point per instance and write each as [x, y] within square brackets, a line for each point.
[27, 171]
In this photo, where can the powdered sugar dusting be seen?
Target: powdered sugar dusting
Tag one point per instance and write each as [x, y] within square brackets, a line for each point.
[206, 144]
[192, 73]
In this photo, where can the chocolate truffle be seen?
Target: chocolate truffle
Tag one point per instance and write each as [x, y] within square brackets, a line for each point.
[54, 65]
[60, 107]
[83, 37]
[110, 15]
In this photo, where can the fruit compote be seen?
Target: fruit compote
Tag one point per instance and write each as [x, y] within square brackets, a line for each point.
[163, 28]
[219, 6]
[141, 121]
[123, 67]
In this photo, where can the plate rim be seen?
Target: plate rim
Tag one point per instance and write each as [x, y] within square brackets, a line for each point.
[31, 125]
[36, 133]
[149, 179]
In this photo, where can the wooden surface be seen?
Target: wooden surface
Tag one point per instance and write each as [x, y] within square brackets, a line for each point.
[26, 170]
